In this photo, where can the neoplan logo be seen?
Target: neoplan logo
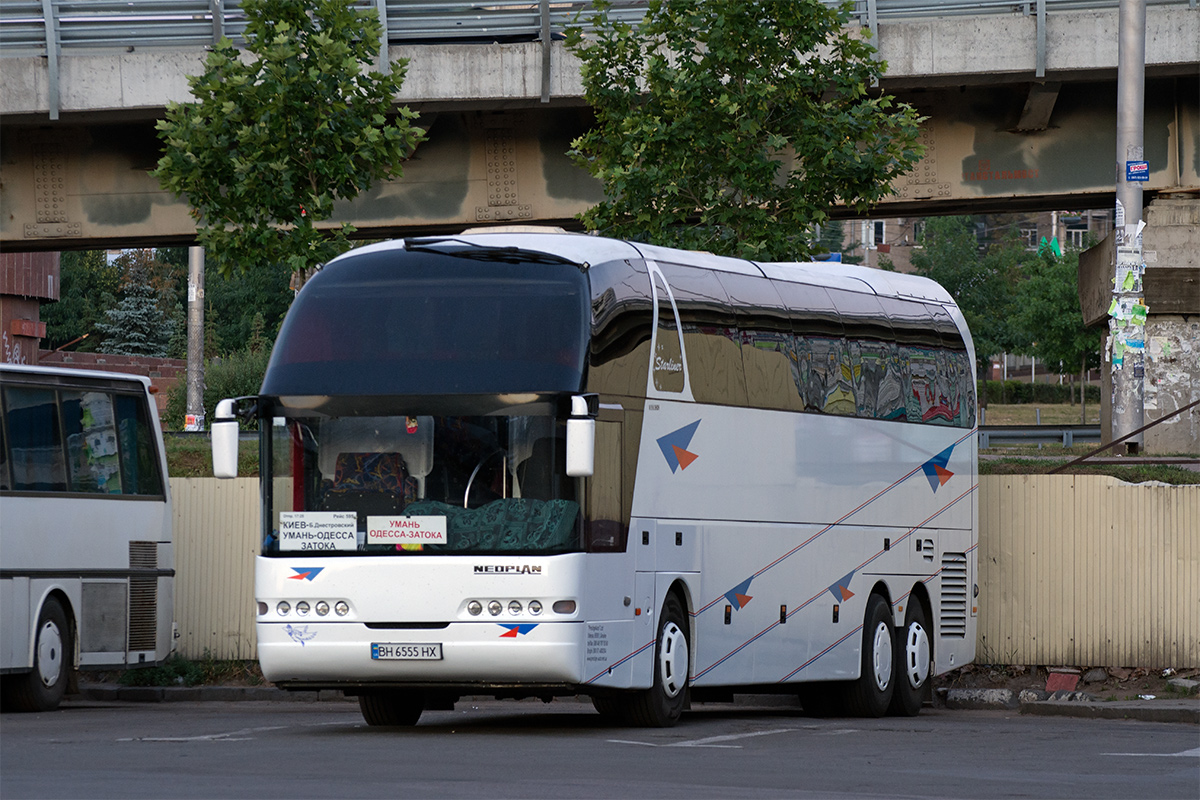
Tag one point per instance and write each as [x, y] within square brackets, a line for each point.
[508, 569]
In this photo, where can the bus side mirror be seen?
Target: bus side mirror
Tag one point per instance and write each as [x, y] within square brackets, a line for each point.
[581, 436]
[225, 440]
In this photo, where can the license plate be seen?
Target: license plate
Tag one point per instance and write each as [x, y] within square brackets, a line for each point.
[384, 651]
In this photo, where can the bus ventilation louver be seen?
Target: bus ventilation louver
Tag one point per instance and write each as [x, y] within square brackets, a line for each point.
[953, 616]
[143, 596]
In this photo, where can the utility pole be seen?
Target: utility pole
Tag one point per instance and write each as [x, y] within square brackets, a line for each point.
[1127, 313]
[195, 340]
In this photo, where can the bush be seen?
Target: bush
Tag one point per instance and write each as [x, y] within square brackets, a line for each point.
[236, 375]
[1019, 392]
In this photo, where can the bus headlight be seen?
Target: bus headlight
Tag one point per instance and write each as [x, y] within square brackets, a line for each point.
[474, 608]
[535, 607]
[341, 609]
[322, 608]
[302, 608]
[283, 608]
[515, 607]
[494, 608]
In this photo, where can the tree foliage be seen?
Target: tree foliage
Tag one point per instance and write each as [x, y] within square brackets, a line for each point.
[983, 284]
[1048, 311]
[142, 322]
[277, 135]
[733, 127]
[88, 285]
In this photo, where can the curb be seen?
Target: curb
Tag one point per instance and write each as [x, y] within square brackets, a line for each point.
[1071, 704]
[188, 694]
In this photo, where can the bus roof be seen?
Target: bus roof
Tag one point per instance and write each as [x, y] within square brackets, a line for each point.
[587, 250]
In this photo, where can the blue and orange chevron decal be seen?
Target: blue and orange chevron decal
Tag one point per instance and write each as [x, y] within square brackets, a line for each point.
[513, 631]
[674, 447]
[305, 573]
[841, 590]
[737, 596]
[935, 469]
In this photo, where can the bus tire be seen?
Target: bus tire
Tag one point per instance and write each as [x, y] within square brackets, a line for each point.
[662, 704]
[914, 657]
[393, 708]
[822, 698]
[871, 694]
[42, 688]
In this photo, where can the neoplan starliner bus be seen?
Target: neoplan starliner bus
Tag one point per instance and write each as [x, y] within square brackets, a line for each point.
[539, 464]
[86, 555]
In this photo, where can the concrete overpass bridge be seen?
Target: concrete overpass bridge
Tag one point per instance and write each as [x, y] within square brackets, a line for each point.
[1021, 100]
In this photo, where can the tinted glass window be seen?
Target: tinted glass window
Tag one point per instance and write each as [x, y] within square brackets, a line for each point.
[93, 454]
[710, 335]
[401, 322]
[667, 367]
[622, 311]
[140, 471]
[35, 440]
[766, 341]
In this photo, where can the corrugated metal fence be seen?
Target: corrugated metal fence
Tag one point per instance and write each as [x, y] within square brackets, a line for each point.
[1091, 571]
[1074, 570]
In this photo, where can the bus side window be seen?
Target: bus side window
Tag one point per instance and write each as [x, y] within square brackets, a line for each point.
[36, 440]
[5, 480]
[140, 470]
[93, 459]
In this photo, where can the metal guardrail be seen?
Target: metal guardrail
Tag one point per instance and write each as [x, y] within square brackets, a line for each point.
[78, 24]
[53, 28]
[992, 435]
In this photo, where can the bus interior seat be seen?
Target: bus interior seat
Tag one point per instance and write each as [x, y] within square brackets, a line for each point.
[369, 483]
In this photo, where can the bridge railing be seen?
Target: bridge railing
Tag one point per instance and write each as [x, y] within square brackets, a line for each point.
[49, 26]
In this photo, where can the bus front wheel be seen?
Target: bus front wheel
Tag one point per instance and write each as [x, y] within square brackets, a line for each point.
[870, 695]
[662, 704]
[392, 708]
[43, 688]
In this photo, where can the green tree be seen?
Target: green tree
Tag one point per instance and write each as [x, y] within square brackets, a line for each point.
[273, 140]
[983, 284]
[733, 127]
[138, 325]
[88, 286]
[1050, 317]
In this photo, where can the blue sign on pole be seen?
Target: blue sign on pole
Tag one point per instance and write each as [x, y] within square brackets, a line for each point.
[1137, 170]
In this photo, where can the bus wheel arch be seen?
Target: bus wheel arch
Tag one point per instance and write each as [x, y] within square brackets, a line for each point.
[913, 656]
[871, 694]
[663, 703]
[54, 647]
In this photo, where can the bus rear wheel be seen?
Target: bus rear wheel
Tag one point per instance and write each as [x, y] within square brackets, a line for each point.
[394, 708]
[913, 658]
[870, 695]
[42, 689]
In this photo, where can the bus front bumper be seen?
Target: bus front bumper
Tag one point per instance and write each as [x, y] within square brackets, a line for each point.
[462, 652]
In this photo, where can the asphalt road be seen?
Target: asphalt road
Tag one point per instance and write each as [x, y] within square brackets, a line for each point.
[497, 749]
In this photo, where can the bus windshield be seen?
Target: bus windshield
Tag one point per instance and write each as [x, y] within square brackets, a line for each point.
[420, 322]
[413, 484]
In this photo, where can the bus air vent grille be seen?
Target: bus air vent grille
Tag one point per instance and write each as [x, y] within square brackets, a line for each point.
[143, 597]
[953, 617]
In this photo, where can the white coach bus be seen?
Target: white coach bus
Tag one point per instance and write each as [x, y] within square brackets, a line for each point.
[86, 561]
[539, 464]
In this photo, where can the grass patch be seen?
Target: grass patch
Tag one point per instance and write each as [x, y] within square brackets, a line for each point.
[179, 671]
[191, 457]
[1132, 473]
[1052, 414]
